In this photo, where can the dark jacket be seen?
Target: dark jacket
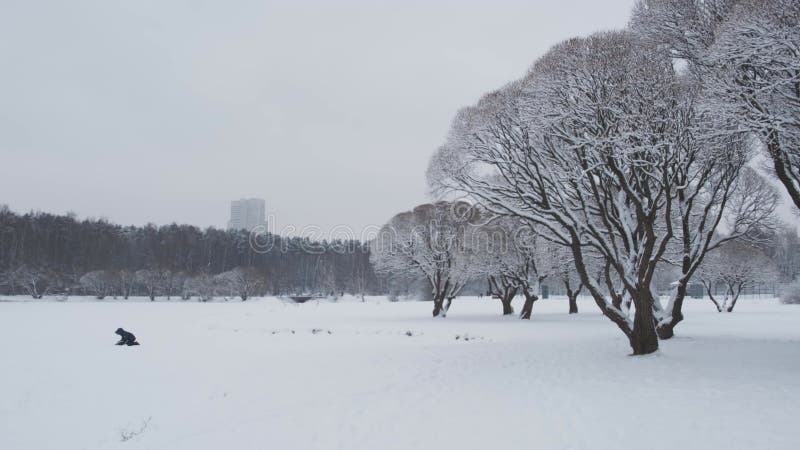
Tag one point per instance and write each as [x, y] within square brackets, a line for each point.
[126, 338]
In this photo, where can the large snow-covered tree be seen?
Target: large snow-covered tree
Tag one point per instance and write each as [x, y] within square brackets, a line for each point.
[582, 147]
[753, 81]
[745, 53]
[433, 241]
[709, 192]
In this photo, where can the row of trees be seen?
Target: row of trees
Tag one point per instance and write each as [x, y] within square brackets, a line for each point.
[632, 149]
[242, 282]
[451, 244]
[44, 253]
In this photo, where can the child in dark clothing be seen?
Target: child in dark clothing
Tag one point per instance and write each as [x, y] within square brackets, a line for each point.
[126, 338]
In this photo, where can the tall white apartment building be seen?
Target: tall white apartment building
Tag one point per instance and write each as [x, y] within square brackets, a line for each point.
[247, 214]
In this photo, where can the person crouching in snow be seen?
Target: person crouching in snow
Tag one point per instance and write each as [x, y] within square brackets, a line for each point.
[126, 338]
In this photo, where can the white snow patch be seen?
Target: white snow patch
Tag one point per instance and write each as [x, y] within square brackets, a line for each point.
[381, 375]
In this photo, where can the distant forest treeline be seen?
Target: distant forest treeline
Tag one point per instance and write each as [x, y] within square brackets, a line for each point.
[43, 253]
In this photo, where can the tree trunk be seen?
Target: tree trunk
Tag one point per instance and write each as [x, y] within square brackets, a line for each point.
[666, 329]
[508, 297]
[447, 304]
[711, 296]
[573, 304]
[527, 308]
[616, 300]
[783, 172]
[507, 308]
[643, 337]
[734, 298]
[572, 296]
[438, 301]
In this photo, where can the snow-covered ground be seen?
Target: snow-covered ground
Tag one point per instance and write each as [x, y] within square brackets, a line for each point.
[377, 375]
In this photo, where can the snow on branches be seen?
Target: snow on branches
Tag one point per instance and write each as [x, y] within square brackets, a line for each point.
[435, 242]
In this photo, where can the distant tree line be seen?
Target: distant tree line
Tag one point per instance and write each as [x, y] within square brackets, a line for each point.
[43, 254]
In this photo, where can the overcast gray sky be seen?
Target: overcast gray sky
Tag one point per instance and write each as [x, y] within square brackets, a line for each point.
[163, 111]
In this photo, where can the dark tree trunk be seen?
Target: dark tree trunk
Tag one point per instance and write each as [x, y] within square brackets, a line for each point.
[573, 303]
[643, 337]
[572, 295]
[734, 298]
[616, 297]
[439, 296]
[507, 308]
[527, 308]
[711, 296]
[508, 297]
[667, 330]
[438, 301]
[783, 169]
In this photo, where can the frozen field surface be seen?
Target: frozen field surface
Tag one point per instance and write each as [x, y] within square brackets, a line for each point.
[377, 375]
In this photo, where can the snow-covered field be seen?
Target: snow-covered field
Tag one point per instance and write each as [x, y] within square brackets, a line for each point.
[377, 375]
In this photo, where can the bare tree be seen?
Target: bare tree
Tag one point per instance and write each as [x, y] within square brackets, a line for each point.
[515, 259]
[361, 280]
[327, 277]
[203, 286]
[752, 81]
[152, 280]
[714, 152]
[126, 280]
[565, 273]
[715, 189]
[243, 281]
[99, 283]
[746, 54]
[433, 241]
[784, 250]
[173, 282]
[583, 148]
[37, 282]
[735, 266]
